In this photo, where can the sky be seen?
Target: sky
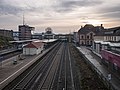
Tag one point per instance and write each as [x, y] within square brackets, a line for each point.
[63, 16]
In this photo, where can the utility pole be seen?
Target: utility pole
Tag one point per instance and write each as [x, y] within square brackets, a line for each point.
[23, 19]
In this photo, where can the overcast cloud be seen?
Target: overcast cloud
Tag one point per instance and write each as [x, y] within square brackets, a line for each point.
[58, 13]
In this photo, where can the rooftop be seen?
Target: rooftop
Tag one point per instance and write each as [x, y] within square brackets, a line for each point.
[34, 45]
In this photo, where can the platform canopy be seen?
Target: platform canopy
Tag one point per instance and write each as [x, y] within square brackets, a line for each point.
[49, 40]
[112, 44]
[22, 41]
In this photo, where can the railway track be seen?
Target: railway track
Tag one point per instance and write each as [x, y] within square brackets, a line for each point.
[48, 80]
[58, 79]
[69, 82]
[32, 73]
[64, 79]
[53, 72]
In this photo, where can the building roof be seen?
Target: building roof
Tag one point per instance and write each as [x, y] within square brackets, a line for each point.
[86, 29]
[90, 28]
[99, 30]
[27, 26]
[115, 31]
[34, 45]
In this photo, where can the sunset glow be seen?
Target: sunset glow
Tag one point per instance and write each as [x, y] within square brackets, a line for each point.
[94, 22]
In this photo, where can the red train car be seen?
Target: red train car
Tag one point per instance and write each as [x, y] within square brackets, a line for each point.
[111, 59]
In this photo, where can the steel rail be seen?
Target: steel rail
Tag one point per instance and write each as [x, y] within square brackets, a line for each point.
[58, 81]
[58, 85]
[51, 86]
[65, 69]
[23, 82]
[71, 72]
[47, 74]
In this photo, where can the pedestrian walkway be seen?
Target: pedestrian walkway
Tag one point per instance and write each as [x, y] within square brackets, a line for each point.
[95, 61]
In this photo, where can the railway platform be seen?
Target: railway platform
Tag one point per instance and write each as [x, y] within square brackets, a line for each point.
[9, 71]
[94, 59]
[7, 51]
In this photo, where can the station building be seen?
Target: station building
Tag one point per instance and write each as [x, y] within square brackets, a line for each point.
[86, 34]
[33, 48]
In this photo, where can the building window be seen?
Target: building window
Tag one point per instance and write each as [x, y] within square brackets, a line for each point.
[90, 42]
[91, 36]
[111, 38]
[87, 37]
[82, 37]
[87, 42]
[114, 38]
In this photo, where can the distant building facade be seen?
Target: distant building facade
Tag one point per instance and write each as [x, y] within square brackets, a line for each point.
[86, 34]
[39, 36]
[6, 33]
[110, 34]
[61, 36]
[25, 32]
[48, 33]
[107, 39]
[16, 35]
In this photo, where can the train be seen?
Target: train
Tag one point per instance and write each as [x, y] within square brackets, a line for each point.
[111, 59]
